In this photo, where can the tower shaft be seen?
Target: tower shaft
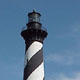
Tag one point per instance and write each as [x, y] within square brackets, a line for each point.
[34, 65]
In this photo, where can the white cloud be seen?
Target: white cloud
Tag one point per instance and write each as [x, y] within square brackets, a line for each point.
[61, 76]
[60, 59]
[66, 58]
[72, 32]
[64, 77]
[76, 27]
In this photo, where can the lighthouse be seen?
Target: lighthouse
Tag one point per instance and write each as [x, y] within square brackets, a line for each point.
[34, 35]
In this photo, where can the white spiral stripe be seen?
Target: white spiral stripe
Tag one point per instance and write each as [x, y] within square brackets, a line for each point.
[38, 73]
[32, 50]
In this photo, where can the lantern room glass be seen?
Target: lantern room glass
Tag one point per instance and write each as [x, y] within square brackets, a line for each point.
[34, 17]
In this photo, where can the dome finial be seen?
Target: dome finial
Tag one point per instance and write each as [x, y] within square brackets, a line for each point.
[34, 10]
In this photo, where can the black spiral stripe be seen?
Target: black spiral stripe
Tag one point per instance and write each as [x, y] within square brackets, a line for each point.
[33, 63]
[28, 43]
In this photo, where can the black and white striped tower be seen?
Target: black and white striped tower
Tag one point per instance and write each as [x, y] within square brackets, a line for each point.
[34, 36]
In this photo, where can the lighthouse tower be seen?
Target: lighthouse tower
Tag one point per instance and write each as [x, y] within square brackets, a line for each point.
[34, 35]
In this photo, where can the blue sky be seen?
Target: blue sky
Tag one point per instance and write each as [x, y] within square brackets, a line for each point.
[61, 48]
